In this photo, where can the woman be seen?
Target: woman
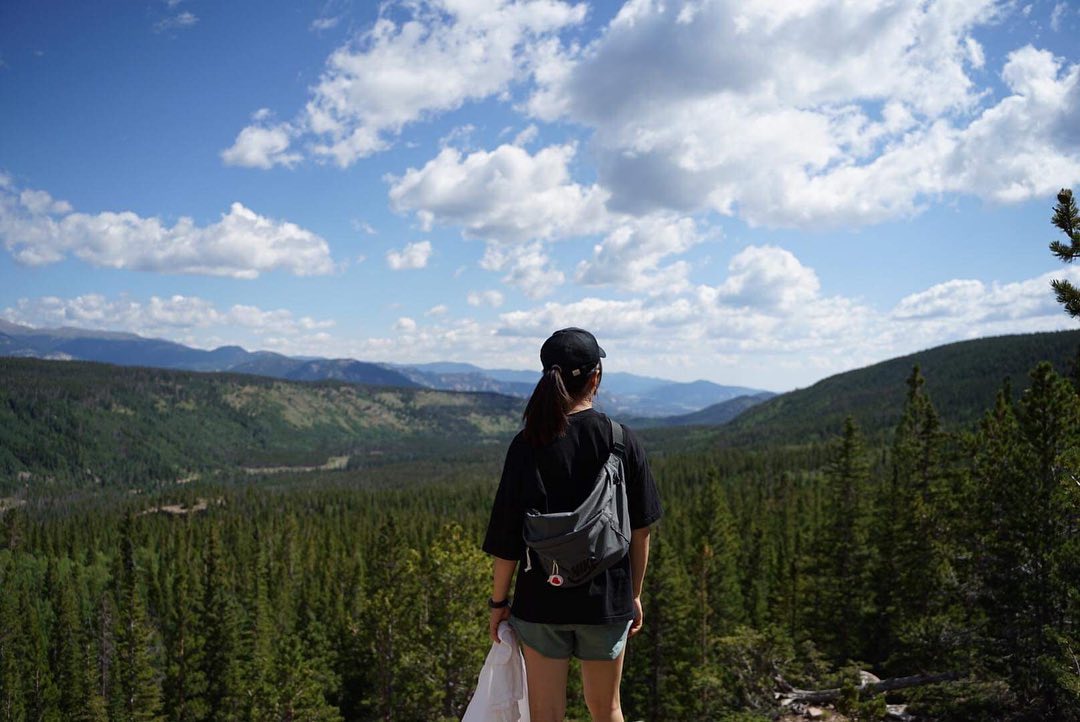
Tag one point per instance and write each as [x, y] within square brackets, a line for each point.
[551, 466]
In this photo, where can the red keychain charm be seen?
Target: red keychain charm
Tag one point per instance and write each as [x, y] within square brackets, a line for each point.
[555, 579]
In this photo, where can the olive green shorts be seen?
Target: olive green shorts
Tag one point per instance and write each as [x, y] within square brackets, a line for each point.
[584, 641]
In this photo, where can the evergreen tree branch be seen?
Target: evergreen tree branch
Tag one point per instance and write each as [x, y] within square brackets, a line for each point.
[1068, 296]
[1067, 219]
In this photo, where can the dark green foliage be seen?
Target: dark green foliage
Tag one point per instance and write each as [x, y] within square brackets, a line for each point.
[78, 423]
[855, 706]
[359, 594]
[839, 580]
[14, 687]
[457, 571]
[138, 681]
[714, 566]
[185, 680]
[746, 663]
[657, 666]
[1028, 498]
[960, 378]
[1067, 219]
[914, 588]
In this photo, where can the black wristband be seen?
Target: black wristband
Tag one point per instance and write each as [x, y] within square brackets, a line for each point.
[498, 605]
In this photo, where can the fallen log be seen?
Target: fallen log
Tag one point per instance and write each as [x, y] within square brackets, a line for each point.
[791, 695]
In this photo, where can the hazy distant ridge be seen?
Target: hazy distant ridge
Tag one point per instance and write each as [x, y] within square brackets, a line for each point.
[621, 393]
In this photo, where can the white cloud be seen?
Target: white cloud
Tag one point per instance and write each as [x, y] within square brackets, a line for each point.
[363, 227]
[490, 298]
[1029, 144]
[517, 201]
[1057, 15]
[608, 318]
[171, 316]
[811, 114]
[767, 277]
[38, 230]
[405, 324]
[459, 136]
[768, 320]
[630, 256]
[180, 21]
[502, 195]
[963, 302]
[411, 257]
[440, 55]
[261, 145]
[526, 136]
[527, 267]
[974, 52]
[437, 310]
[325, 23]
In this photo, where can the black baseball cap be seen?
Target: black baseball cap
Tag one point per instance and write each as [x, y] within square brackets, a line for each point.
[573, 349]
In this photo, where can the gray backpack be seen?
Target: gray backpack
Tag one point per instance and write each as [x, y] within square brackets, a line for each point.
[575, 546]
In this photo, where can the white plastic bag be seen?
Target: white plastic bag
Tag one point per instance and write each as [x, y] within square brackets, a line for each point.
[502, 694]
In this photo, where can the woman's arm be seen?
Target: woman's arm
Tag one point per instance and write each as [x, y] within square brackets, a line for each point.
[500, 590]
[639, 559]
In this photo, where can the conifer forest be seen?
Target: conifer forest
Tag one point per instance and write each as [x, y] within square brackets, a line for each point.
[942, 551]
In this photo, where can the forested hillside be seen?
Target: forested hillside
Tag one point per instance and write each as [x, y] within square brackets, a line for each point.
[86, 423]
[962, 378]
[330, 596]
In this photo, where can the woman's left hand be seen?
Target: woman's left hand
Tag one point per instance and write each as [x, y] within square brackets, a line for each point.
[497, 615]
[639, 617]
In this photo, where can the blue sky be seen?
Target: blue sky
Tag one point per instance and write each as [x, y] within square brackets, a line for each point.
[755, 193]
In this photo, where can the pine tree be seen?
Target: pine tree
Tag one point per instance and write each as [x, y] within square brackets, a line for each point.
[137, 677]
[1049, 420]
[840, 572]
[457, 575]
[399, 618]
[1067, 219]
[787, 517]
[298, 695]
[1027, 501]
[95, 708]
[759, 561]
[12, 648]
[104, 667]
[42, 695]
[261, 637]
[914, 587]
[221, 625]
[660, 677]
[714, 567]
[68, 658]
[185, 683]
[355, 646]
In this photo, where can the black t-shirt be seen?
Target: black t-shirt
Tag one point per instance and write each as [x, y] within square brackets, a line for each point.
[556, 478]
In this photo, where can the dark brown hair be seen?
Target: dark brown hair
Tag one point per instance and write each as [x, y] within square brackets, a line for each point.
[546, 413]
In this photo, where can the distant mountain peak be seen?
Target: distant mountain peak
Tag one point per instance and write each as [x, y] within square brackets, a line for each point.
[14, 328]
[623, 393]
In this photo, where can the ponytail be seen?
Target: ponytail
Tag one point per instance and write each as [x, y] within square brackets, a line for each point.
[549, 406]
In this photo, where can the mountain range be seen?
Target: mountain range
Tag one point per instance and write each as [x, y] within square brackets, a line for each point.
[93, 423]
[621, 393]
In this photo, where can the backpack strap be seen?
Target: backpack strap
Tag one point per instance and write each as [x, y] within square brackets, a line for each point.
[618, 447]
